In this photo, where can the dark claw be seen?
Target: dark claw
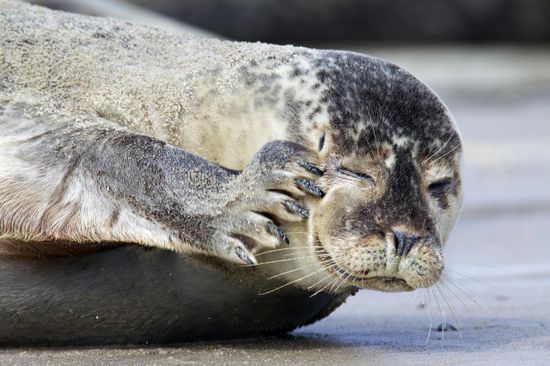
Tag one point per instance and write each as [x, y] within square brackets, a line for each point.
[292, 206]
[310, 187]
[241, 254]
[276, 231]
[310, 167]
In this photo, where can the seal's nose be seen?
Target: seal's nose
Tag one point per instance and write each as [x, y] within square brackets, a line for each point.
[403, 242]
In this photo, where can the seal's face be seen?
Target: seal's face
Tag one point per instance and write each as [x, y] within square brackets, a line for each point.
[387, 212]
[391, 159]
[391, 156]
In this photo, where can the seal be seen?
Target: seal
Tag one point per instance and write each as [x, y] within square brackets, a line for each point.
[327, 170]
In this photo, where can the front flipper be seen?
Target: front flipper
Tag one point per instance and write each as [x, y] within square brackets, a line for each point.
[266, 193]
[73, 184]
[85, 180]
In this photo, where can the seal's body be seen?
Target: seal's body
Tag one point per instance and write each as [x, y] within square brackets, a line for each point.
[113, 134]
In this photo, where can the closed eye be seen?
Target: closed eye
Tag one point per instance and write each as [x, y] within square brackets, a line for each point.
[361, 176]
[440, 186]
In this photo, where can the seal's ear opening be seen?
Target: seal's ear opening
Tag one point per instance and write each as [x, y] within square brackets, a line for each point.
[53, 248]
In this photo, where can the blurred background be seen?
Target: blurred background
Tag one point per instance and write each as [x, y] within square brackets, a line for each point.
[490, 62]
[297, 21]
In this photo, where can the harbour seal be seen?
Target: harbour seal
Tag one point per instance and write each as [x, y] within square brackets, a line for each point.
[327, 170]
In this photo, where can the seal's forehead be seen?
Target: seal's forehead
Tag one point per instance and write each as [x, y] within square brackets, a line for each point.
[369, 99]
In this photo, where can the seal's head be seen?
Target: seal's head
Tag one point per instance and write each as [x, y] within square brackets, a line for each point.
[391, 156]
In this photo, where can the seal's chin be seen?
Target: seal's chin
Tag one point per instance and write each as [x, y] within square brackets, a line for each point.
[387, 284]
[380, 283]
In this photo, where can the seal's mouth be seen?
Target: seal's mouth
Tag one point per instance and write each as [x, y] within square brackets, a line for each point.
[388, 284]
[358, 279]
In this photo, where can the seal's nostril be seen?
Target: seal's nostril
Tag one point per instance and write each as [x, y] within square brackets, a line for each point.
[403, 242]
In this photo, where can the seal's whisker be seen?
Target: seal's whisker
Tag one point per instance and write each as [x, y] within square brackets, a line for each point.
[292, 282]
[281, 249]
[478, 264]
[305, 250]
[444, 283]
[376, 141]
[324, 287]
[308, 251]
[444, 324]
[333, 288]
[322, 279]
[296, 231]
[344, 280]
[296, 269]
[302, 252]
[451, 310]
[332, 283]
[427, 160]
[275, 261]
[447, 153]
[462, 290]
[431, 317]
[465, 275]
[459, 288]
[377, 144]
[291, 271]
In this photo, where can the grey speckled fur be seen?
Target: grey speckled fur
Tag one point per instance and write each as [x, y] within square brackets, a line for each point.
[114, 133]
